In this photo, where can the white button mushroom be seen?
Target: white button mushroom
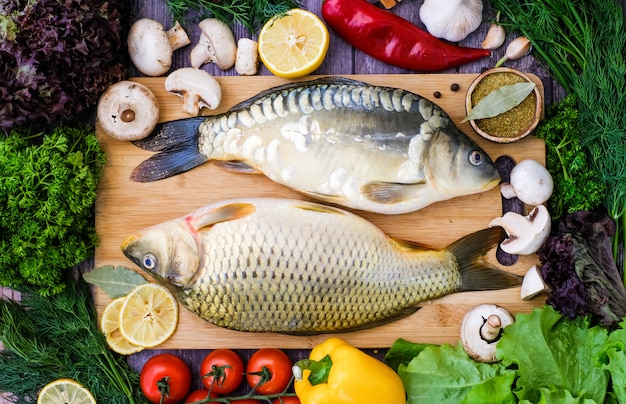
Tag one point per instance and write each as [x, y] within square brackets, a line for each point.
[533, 284]
[197, 87]
[150, 47]
[452, 20]
[247, 61]
[216, 44]
[526, 234]
[530, 182]
[128, 110]
[481, 329]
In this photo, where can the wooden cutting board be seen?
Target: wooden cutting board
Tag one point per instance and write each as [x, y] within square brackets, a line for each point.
[123, 207]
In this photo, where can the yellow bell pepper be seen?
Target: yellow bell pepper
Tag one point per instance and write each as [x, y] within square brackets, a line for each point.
[354, 377]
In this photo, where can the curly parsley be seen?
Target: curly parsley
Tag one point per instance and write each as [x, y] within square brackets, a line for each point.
[577, 186]
[47, 195]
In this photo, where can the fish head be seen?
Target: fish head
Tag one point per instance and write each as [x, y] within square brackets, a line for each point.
[168, 251]
[458, 166]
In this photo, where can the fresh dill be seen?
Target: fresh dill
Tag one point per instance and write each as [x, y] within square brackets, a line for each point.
[583, 45]
[48, 338]
[251, 14]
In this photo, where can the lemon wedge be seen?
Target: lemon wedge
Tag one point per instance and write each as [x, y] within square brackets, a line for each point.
[62, 391]
[149, 315]
[294, 44]
[110, 327]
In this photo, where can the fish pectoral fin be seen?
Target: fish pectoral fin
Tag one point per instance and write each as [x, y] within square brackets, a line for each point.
[390, 192]
[237, 166]
[203, 218]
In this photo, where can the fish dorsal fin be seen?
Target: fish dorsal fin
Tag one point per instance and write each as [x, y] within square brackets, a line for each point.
[237, 167]
[212, 215]
[390, 192]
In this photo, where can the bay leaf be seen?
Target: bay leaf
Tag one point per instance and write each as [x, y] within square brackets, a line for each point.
[500, 100]
[114, 281]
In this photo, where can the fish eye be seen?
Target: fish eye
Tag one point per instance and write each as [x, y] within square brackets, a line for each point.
[476, 158]
[149, 261]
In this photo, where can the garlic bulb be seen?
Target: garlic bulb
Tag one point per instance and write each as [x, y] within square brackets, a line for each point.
[452, 20]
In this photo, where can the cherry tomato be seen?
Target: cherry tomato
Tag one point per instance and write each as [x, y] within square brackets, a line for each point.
[277, 364]
[233, 371]
[246, 401]
[170, 369]
[286, 400]
[199, 395]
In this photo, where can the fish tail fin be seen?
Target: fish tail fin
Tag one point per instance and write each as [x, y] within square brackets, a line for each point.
[177, 144]
[169, 134]
[476, 273]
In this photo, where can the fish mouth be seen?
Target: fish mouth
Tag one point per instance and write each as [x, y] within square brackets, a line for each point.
[127, 241]
[492, 183]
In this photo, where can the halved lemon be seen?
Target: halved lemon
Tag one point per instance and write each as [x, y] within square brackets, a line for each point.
[293, 45]
[110, 327]
[63, 391]
[149, 315]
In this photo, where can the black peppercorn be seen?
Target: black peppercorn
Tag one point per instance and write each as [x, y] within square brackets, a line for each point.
[455, 87]
[437, 94]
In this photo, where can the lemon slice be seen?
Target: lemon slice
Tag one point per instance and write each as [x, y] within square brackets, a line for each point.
[293, 45]
[149, 315]
[110, 327]
[63, 391]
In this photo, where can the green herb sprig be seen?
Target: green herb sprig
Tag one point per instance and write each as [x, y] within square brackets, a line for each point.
[583, 45]
[47, 195]
[251, 14]
[47, 338]
[577, 187]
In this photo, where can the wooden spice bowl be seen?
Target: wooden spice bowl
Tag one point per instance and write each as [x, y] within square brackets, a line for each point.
[512, 125]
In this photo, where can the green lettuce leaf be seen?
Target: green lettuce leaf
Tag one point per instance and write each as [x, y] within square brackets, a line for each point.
[613, 359]
[445, 373]
[555, 357]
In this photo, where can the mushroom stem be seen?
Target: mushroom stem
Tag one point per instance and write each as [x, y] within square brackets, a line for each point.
[177, 37]
[490, 331]
[127, 113]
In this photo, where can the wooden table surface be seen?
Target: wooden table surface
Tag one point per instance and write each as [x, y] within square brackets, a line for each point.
[341, 59]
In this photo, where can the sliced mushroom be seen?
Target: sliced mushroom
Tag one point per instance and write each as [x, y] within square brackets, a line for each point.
[128, 110]
[481, 330]
[526, 234]
[247, 61]
[216, 45]
[150, 47]
[197, 87]
[530, 181]
[533, 284]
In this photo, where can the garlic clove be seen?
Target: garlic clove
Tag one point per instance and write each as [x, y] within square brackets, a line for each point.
[452, 20]
[518, 47]
[495, 37]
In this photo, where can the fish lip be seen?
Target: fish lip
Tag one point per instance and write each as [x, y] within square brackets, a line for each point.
[126, 243]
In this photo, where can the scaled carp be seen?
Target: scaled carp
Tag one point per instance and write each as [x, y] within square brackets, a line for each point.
[296, 267]
[378, 149]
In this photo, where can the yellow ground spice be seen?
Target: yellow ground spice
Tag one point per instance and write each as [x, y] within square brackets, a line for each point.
[512, 122]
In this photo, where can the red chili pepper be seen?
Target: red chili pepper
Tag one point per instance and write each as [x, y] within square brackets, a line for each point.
[392, 39]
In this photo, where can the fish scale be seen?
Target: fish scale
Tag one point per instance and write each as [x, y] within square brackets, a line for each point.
[288, 266]
[379, 149]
